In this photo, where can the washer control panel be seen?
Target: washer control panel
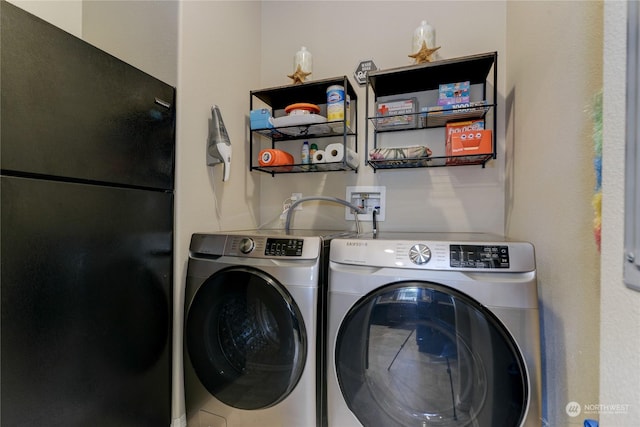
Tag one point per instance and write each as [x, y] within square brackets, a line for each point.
[274, 246]
[479, 256]
[271, 247]
[283, 247]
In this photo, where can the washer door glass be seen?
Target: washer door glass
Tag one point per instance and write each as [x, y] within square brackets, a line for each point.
[246, 338]
[421, 354]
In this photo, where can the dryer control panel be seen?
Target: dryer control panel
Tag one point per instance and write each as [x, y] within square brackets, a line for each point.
[435, 254]
[479, 256]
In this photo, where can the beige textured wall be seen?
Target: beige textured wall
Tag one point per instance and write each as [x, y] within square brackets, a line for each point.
[65, 14]
[218, 63]
[553, 71]
[140, 32]
[464, 199]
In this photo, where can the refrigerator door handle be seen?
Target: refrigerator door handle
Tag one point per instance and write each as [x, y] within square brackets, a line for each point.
[165, 104]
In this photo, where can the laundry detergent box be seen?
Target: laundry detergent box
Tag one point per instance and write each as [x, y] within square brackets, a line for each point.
[467, 145]
[452, 128]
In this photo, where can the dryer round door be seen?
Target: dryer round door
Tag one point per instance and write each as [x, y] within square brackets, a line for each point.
[245, 338]
[421, 354]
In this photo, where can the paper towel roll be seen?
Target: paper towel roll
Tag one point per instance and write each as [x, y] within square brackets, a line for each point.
[335, 153]
[319, 157]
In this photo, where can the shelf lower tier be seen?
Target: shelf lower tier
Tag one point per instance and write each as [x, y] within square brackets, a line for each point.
[303, 168]
[422, 162]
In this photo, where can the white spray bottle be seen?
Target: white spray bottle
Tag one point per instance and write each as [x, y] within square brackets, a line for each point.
[219, 144]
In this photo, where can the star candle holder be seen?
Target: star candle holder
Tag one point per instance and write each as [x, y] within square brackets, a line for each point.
[298, 76]
[302, 65]
[424, 54]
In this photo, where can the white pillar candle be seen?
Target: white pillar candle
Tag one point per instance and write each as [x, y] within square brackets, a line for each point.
[426, 33]
[303, 59]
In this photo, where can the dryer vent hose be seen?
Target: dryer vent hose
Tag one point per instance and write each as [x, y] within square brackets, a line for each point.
[358, 209]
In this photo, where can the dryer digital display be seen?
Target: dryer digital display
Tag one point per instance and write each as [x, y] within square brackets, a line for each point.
[283, 247]
[479, 256]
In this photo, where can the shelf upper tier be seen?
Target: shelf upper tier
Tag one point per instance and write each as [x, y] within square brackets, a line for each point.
[430, 75]
[328, 130]
[432, 119]
[313, 92]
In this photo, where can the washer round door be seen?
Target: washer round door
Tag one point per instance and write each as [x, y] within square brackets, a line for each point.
[421, 354]
[245, 338]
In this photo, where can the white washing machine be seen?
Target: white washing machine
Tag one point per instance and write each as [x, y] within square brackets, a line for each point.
[253, 329]
[433, 330]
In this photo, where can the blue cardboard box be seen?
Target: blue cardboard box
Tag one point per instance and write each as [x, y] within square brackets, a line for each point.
[260, 119]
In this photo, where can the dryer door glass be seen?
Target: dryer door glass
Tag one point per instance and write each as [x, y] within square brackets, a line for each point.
[422, 354]
[245, 338]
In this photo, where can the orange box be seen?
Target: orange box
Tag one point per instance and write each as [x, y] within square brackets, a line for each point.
[469, 143]
[455, 127]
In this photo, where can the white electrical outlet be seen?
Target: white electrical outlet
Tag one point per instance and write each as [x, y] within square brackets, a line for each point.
[368, 198]
[288, 202]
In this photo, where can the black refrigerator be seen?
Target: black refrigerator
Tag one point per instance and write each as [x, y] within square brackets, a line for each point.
[87, 161]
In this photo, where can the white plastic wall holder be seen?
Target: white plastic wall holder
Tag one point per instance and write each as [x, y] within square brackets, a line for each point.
[369, 198]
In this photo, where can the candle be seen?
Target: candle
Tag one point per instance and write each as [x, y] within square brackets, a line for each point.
[424, 33]
[304, 60]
